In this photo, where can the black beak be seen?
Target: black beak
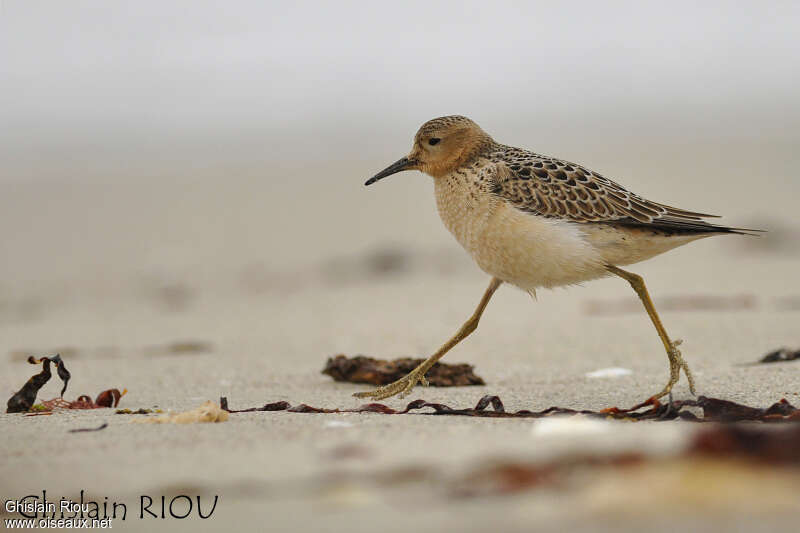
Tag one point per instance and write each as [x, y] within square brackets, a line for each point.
[394, 168]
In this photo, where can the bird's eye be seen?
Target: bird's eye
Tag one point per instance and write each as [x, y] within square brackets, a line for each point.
[433, 141]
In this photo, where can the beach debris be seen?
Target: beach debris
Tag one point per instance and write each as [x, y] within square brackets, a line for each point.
[104, 425]
[504, 478]
[181, 347]
[718, 468]
[206, 413]
[611, 372]
[714, 410]
[139, 411]
[729, 457]
[362, 369]
[782, 354]
[107, 398]
[762, 444]
[577, 426]
[23, 400]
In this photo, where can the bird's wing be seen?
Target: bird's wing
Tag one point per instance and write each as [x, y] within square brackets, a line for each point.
[553, 188]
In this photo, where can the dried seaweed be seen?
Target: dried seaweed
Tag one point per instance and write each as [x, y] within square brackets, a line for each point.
[107, 398]
[714, 410]
[104, 425]
[716, 445]
[63, 373]
[24, 399]
[762, 444]
[782, 354]
[511, 476]
[362, 369]
[505, 478]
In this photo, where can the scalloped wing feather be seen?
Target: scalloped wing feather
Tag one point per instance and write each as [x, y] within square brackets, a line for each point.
[554, 188]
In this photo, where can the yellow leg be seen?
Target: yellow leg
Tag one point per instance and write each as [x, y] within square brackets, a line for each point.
[676, 362]
[404, 385]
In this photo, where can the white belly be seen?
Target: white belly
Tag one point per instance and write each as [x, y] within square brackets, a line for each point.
[530, 251]
[519, 248]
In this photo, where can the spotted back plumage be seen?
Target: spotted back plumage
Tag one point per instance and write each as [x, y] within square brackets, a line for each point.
[554, 188]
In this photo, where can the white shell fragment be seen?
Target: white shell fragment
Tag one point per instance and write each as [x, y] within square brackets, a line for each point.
[611, 372]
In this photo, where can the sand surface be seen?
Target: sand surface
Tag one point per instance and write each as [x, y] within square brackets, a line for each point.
[267, 274]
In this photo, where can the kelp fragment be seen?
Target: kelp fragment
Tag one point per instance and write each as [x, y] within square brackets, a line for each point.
[782, 354]
[714, 410]
[362, 369]
[25, 398]
[63, 373]
[104, 425]
[762, 444]
[107, 398]
[744, 459]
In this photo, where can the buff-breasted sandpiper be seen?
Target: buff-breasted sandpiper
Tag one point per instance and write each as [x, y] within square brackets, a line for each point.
[533, 221]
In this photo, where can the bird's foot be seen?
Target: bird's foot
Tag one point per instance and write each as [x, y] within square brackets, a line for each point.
[402, 386]
[676, 364]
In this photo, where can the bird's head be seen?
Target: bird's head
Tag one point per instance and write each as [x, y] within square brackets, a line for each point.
[440, 146]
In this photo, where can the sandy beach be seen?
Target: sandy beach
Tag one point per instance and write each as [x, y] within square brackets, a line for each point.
[183, 216]
[183, 292]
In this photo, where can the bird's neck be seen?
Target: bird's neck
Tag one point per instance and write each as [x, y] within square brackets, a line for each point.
[461, 205]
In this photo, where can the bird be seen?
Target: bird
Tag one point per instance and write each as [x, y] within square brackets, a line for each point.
[535, 221]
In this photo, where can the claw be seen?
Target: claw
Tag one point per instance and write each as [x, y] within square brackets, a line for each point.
[676, 364]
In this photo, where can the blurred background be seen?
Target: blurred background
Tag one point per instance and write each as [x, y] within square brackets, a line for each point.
[200, 138]
[182, 182]
[197, 167]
